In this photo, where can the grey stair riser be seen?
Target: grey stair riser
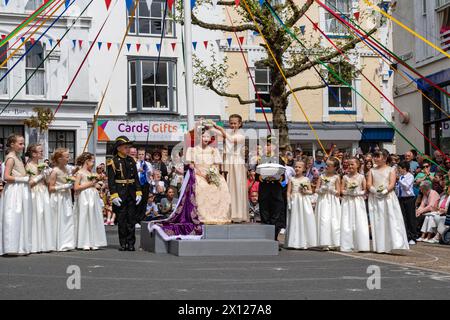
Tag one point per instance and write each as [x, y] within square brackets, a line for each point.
[152, 242]
[243, 231]
[236, 247]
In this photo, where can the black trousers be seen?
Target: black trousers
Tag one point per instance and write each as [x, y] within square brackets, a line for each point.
[271, 205]
[408, 206]
[142, 207]
[126, 217]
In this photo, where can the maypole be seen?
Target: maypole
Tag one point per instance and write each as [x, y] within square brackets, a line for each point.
[188, 63]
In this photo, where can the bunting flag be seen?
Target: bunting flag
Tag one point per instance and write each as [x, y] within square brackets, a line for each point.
[129, 4]
[108, 3]
[192, 4]
[50, 41]
[6, 2]
[218, 42]
[158, 47]
[206, 44]
[149, 4]
[128, 46]
[357, 15]
[80, 43]
[195, 45]
[67, 3]
[302, 29]
[384, 6]
[138, 46]
[74, 42]
[261, 2]
[32, 40]
[170, 4]
[229, 40]
[148, 47]
[315, 26]
[58, 42]
[23, 39]
[173, 44]
[241, 40]
[390, 72]
[237, 2]
[99, 45]
[109, 45]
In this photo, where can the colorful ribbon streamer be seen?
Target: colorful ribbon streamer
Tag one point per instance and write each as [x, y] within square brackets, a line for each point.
[387, 15]
[46, 57]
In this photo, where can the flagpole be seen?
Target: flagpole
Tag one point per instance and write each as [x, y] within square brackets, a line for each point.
[188, 63]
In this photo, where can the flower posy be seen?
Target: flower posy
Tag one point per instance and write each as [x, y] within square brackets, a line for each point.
[42, 166]
[380, 189]
[212, 176]
[30, 173]
[352, 186]
[92, 177]
[70, 179]
[325, 179]
[304, 185]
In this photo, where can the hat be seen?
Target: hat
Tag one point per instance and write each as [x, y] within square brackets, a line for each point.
[120, 141]
[319, 153]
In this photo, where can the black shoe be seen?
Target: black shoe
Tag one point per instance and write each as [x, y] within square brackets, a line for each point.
[123, 248]
[131, 248]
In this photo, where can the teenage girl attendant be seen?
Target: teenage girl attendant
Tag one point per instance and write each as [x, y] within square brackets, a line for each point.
[301, 230]
[15, 204]
[328, 207]
[61, 201]
[236, 168]
[88, 206]
[354, 222]
[42, 218]
[386, 219]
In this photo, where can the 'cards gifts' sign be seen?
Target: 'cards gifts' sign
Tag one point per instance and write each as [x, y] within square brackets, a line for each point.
[141, 130]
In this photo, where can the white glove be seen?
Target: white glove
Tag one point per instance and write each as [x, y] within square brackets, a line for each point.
[22, 179]
[373, 190]
[360, 194]
[138, 199]
[117, 202]
[38, 178]
[63, 187]
[289, 204]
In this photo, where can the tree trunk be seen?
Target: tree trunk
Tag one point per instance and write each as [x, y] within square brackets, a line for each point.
[279, 106]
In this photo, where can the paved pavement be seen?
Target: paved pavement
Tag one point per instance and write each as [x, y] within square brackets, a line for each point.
[110, 274]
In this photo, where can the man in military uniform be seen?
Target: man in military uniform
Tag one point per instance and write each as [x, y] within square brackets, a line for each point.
[125, 190]
[271, 203]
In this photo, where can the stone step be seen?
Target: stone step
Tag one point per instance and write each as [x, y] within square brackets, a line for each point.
[152, 242]
[240, 231]
[223, 247]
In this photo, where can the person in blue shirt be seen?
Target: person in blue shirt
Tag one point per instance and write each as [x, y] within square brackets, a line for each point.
[319, 164]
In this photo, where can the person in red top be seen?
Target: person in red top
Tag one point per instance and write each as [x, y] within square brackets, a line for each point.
[252, 184]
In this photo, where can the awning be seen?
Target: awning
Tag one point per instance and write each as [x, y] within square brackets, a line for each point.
[378, 134]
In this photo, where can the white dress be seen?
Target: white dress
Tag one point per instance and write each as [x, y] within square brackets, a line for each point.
[301, 231]
[15, 213]
[89, 217]
[328, 215]
[61, 204]
[388, 228]
[354, 222]
[42, 228]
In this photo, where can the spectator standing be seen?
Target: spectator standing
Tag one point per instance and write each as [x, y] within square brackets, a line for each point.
[413, 165]
[407, 200]
[253, 206]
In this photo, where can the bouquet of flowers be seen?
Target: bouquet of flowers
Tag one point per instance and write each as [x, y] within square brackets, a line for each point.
[213, 176]
[93, 177]
[42, 166]
[380, 189]
[351, 186]
[325, 180]
[304, 186]
[70, 179]
[30, 173]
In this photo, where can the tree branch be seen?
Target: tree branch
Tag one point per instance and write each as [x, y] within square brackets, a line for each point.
[319, 86]
[298, 13]
[212, 26]
[307, 63]
[235, 96]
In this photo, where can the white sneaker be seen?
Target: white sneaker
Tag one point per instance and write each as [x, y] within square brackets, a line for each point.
[283, 231]
[412, 242]
[420, 240]
[137, 226]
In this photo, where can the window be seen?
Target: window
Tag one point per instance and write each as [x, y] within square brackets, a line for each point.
[36, 85]
[340, 98]
[33, 4]
[424, 7]
[5, 132]
[149, 20]
[444, 25]
[4, 69]
[62, 139]
[152, 85]
[442, 3]
[263, 83]
[332, 25]
[445, 100]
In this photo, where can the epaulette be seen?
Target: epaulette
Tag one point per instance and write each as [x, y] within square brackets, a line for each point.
[111, 163]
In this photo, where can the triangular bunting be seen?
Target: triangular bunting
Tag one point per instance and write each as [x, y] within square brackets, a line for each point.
[218, 42]
[357, 15]
[315, 26]
[173, 44]
[241, 40]
[205, 43]
[99, 45]
[138, 47]
[74, 42]
[390, 72]
[50, 41]
[6, 2]
[195, 45]
[170, 4]
[148, 47]
[128, 46]
[229, 40]
[261, 2]
[109, 45]
[237, 2]
[302, 29]
[129, 4]
[158, 47]
[108, 3]
[67, 3]
[80, 43]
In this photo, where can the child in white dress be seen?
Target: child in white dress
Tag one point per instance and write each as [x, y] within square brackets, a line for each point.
[354, 222]
[42, 219]
[328, 207]
[15, 203]
[88, 206]
[60, 185]
[301, 230]
[386, 219]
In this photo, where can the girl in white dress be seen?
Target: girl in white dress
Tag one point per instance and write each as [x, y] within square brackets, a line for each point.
[354, 222]
[42, 229]
[386, 219]
[61, 201]
[88, 206]
[328, 207]
[15, 204]
[301, 230]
